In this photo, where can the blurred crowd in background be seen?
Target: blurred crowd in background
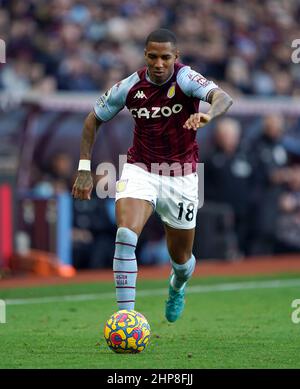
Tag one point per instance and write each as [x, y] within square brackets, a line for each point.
[88, 45]
[252, 165]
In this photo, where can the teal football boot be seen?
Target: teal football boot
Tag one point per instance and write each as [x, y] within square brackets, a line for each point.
[175, 304]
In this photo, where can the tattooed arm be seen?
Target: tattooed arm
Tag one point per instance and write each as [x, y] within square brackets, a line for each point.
[83, 185]
[220, 103]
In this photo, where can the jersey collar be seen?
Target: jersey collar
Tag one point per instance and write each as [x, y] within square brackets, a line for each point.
[149, 80]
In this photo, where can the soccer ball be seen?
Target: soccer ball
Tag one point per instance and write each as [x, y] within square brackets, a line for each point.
[127, 332]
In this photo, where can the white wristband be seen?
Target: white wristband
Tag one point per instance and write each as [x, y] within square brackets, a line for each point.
[84, 164]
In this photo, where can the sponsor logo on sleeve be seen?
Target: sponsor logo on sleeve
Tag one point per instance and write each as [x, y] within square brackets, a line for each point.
[196, 77]
[101, 101]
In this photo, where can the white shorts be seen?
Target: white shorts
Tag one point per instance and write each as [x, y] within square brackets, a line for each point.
[175, 199]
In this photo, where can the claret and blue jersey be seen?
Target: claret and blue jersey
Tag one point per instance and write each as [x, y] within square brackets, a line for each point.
[159, 112]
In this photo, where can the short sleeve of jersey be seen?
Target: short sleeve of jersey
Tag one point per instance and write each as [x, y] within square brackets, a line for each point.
[113, 100]
[193, 84]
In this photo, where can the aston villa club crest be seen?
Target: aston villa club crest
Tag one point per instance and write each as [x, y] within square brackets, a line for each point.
[171, 91]
[121, 185]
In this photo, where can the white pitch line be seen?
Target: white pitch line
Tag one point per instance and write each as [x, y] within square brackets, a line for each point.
[235, 286]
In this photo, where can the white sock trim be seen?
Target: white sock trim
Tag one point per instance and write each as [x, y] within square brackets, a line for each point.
[181, 273]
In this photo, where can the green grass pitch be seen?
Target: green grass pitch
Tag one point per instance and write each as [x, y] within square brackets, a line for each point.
[227, 323]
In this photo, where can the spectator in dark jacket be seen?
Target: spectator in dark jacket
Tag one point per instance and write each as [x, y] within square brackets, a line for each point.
[228, 175]
[270, 176]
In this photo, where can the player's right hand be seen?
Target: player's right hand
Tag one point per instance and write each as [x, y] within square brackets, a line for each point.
[83, 186]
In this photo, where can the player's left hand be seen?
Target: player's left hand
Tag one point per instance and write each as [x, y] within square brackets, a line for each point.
[197, 120]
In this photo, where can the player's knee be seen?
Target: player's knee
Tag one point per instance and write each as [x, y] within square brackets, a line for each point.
[125, 235]
[130, 226]
[181, 256]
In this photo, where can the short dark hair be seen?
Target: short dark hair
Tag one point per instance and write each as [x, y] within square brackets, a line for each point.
[161, 35]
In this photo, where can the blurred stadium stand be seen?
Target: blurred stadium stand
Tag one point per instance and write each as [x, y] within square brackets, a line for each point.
[88, 45]
[61, 54]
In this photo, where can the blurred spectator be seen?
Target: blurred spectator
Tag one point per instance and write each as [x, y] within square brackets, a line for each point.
[270, 176]
[288, 222]
[93, 233]
[228, 174]
[94, 229]
[56, 177]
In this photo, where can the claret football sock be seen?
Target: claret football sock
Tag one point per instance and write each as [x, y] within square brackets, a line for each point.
[125, 267]
[182, 273]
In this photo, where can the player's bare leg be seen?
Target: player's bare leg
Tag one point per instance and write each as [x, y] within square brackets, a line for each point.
[180, 245]
[131, 215]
